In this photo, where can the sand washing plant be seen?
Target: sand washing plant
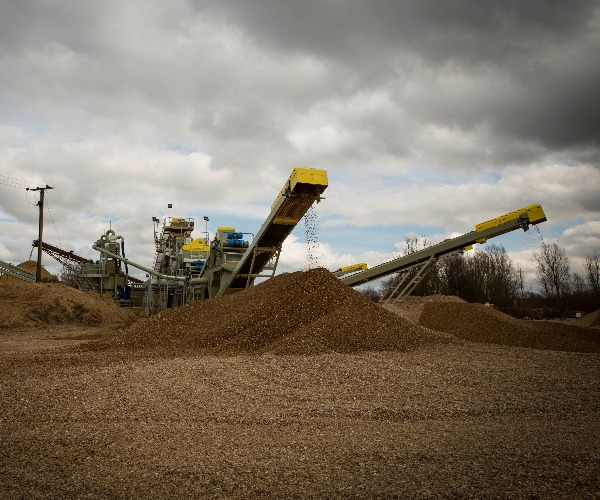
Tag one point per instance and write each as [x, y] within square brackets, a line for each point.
[187, 268]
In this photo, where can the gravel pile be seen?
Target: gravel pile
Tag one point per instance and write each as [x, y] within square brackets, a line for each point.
[591, 320]
[35, 304]
[307, 312]
[477, 323]
[447, 421]
[411, 307]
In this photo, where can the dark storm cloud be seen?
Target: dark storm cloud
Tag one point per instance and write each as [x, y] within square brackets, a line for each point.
[543, 52]
[560, 109]
[435, 30]
[28, 23]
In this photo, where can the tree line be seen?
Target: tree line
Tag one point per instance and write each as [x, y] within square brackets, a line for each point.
[489, 276]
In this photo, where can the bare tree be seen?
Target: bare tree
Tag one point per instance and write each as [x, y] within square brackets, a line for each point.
[491, 277]
[476, 289]
[370, 293]
[592, 273]
[454, 275]
[521, 289]
[554, 275]
[578, 284]
[502, 279]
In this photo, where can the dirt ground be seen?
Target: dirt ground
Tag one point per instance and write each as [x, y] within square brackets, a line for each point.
[101, 411]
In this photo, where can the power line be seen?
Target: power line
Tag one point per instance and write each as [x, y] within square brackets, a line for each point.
[12, 184]
[15, 182]
[27, 197]
[52, 219]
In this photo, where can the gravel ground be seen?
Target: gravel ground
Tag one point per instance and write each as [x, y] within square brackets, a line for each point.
[294, 412]
[444, 421]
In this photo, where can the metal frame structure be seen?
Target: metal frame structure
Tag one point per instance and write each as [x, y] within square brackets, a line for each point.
[423, 269]
[303, 187]
[520, 219]
[16, 272]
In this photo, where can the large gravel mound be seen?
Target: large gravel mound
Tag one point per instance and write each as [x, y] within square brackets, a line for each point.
[477, 323]
[24, 305]
[294, 313]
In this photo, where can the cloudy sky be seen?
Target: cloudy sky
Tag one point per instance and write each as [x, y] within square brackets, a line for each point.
[429, 117]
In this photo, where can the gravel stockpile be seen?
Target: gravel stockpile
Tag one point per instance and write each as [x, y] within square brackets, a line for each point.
[35, 304]
[589, 320]
[477, 323]
[411, 307]
[297, 313]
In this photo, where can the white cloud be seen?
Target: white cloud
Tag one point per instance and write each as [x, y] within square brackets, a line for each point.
[124, 107]
[5, 253]
[566, 193]
[580, 241]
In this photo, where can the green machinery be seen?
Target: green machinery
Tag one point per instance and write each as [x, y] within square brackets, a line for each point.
[106, 275]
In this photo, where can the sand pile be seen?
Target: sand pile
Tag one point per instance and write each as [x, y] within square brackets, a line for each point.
[477, 323]
[591, 320]
[29, 266]
[411, 307]
[295, 313]
[24, 305]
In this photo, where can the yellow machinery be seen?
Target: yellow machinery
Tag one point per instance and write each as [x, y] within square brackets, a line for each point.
[532, 214]
[361, 266]
[234, 264]
[186, 268]
[302, 181]
[194, 268]
[196, 249]
[424, 259]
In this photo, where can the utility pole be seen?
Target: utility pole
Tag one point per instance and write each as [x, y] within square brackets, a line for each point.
[38, 271]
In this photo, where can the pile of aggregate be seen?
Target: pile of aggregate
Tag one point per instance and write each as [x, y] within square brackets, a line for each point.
[25, 305]
[477, 323]
[305, 312]
[411, 307]
[591, 320]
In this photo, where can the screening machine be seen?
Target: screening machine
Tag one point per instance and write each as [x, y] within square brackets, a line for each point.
[188, 269]
[423, 260]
